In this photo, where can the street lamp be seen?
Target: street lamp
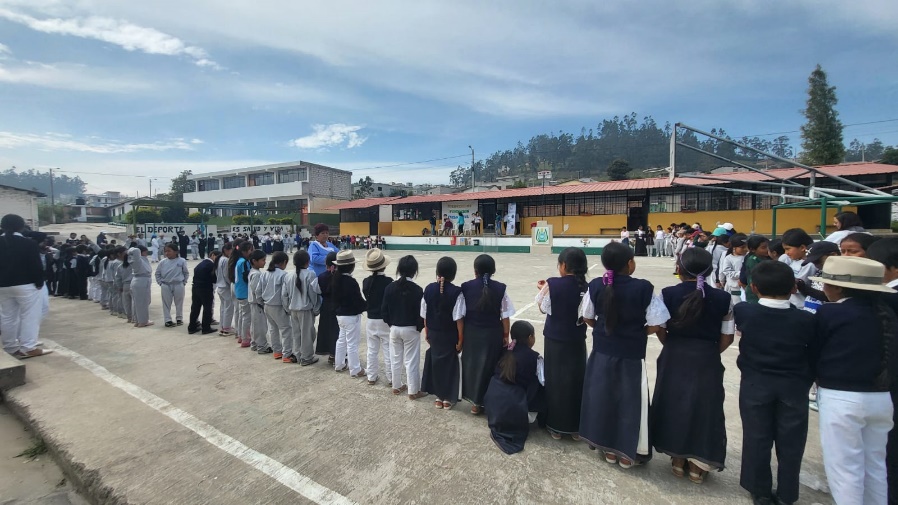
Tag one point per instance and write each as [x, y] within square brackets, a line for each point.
[473, 185]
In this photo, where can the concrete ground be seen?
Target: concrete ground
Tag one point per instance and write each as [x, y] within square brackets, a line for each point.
[159, 416]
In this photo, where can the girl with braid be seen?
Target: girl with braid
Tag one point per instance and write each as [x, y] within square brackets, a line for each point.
[854, 362]
[443, 310]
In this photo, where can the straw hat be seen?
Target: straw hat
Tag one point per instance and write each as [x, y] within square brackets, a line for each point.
[375, 260]
[855, 273]
[344, 258]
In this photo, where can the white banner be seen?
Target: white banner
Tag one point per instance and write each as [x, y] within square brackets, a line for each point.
[465, 207]
[169, 229]
[261, 229]
[511, 218]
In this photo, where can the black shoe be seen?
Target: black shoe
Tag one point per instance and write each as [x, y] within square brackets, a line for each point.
[294, 359]
[169, 324]
[779, 501]
[180, 323]
[267, 350]
[310, 361]
[761, 500]
[207, 331]
[213, 323]
[192, 329]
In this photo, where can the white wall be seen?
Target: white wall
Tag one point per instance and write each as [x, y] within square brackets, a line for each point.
[287, 190]
[21, 203]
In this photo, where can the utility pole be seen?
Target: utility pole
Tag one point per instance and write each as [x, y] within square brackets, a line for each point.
[473, 184]
[151, 187]
[52, 200]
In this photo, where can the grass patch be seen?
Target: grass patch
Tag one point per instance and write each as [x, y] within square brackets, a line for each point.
[38, 447]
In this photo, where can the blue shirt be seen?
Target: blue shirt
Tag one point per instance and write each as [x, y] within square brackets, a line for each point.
[318, 255]
[241, 288]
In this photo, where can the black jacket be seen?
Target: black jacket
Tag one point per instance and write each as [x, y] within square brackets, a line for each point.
[20, 261]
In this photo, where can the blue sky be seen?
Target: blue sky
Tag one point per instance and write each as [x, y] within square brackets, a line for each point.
[147, 89]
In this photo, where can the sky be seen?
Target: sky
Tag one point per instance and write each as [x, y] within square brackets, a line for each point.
[128, 94]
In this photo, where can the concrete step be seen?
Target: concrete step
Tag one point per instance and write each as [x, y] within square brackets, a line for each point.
[12, 372]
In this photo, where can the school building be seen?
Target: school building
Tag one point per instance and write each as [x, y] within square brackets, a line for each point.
[593, 210]
[283, 188]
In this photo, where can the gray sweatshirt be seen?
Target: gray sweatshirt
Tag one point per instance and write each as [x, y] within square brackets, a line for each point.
[221, 273]
[140, 264]
[172, 271]
[293, 299]
[269, 288]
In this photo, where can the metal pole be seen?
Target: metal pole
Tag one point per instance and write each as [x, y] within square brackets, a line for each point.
[823, 206]
[473, 184]
[52, 200]
[774, 221]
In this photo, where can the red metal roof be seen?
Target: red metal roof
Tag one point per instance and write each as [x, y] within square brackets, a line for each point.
[843, 170]
[363, 203]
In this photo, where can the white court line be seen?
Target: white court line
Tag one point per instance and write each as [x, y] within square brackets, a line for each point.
[262, 462]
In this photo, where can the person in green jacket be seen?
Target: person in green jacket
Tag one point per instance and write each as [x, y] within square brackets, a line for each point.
[757, 252]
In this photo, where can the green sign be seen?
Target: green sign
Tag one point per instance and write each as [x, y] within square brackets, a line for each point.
[541, 235]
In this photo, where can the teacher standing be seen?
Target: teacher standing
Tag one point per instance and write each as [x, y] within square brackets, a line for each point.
[319, 249]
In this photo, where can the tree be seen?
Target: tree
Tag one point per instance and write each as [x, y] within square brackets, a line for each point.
[889, 156]
[822, 134]
[196, 217]
[366, 188]
[181, 185]
[618, 170]
[144, 215]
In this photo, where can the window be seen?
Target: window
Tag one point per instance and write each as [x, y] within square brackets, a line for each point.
[209, 185]
[541, 206]
[237, 181]
[292, 175]
[286, 206]
[355, 215]
[262, 179]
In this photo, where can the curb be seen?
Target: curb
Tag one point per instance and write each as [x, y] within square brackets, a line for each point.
[86, 481]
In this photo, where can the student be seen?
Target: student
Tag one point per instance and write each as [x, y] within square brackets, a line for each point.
[857, 337]
[687, 420]
[401, 310]
[328, 329]
[622, 311]
[856, 244]
[565, 341]
[812, 291]
[885, 251]
[258, 320]
[203, 294]
[194, 247]
[443, 310]
[776, 249]
[104, 277]
[223, 289]
[94, 287]
[240, 279]
[757, 252]
[732, 266]
[303, 304]
[348, 304]
[486, 329]
[270, 293]
[154, 248]
[140, 285]
[124, 275]
[171, 275]
[718, 251]
[795, 244]
[377, 331]
[514, 396]
[115, 289]
[774, 358]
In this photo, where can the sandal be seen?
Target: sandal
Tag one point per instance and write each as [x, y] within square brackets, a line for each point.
[447, 405]
[610, 458]
[677, 466]
[696, 474]
[475, 410]
[419, 394]
[397, 392]
[575, 437]
[438, 404]
[555, 435]
[625, 463]
[343, 369]
[358, 375]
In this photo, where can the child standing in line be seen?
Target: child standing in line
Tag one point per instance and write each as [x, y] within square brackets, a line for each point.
[123, 276]
[565, 341]
[401, 310]
[377, 330]
[258, 321]
[687, 420]
[514, 396]
[202, 294]
[328, 329]
[270, 293]
[115, 289]
[171, 275]
[105, 279]
[795, 244]
[443, 310]
[774, 358]
[82, 270]
[346, 297]
[758, 251]
[303, 304]
[223, 289]
[140, 285]
[94, 287]
[732, 266]
[241, 293]
[622, 311]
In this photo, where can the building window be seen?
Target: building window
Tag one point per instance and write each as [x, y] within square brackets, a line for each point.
[208, 185]
[262, 179]
[286, 206]
[293, 175]
[237, 181]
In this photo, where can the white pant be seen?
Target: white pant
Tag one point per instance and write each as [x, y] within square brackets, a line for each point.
[20, 317]
[348, 343]
[379, 338]
[405, 347]
[154, 254]
[854, 428]
[226, 316]
[172, 293]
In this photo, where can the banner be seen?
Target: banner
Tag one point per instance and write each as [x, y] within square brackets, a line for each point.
[511, 218]
[261, 229]
[465, 207]
[169, 229]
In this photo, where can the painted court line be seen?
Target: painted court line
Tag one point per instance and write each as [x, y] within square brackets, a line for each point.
[262, 462]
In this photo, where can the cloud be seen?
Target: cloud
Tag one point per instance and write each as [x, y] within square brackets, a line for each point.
[71, 77]
[63, 142]
[331, 135]
[4, 49]
[128, 36]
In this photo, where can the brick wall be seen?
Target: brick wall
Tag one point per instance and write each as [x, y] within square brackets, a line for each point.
[21, 203]
[330, 183]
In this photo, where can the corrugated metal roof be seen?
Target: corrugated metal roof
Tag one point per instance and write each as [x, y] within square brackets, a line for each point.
[843, 170]
[363, 203]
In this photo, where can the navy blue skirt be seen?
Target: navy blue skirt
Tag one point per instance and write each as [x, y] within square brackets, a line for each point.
[441, 370]
[483, 348]
[565, 364]
[611, 415]
[686, 418]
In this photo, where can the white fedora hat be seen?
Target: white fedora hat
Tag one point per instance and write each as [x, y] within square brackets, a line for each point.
[854, 273]
[375, 260]
[344, 258]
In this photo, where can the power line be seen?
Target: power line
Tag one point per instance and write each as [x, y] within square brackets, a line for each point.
[409, 163]
[843, 126]
[110, 175]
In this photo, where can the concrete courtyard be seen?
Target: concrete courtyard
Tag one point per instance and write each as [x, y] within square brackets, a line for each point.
[156, 415]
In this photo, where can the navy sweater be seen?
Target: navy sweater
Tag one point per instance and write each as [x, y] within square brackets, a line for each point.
[775, 342]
